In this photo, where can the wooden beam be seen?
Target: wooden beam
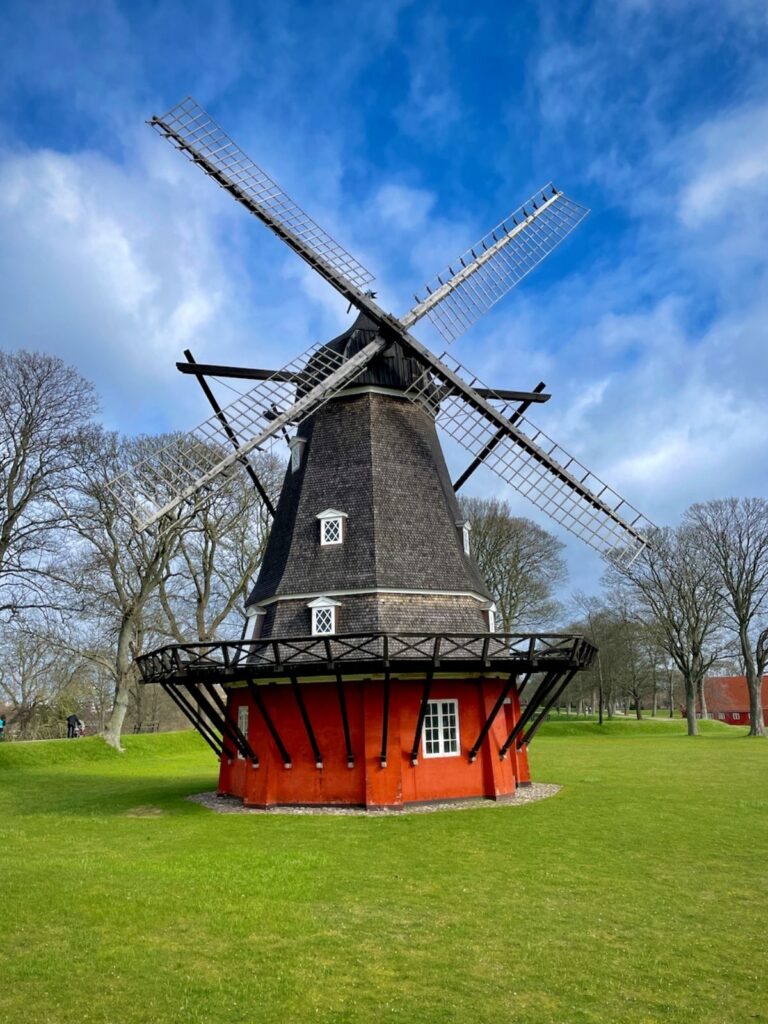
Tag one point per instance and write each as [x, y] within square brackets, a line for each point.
[559, 690]
[492, 716]
[255, 373]
[307, 723]
[499, 435]
[237, 734]
[221, 416]
[344, 719]
[196, 720]
[385, 722]
[544, 689]
[422, 715]
[257, 699]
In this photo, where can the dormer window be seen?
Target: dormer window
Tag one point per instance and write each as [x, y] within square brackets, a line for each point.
[331, 527]
[254, 621]
[324, 611]
[296, 444]
[465, 528]
[490, 617]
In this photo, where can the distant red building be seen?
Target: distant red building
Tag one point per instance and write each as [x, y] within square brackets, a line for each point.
[728, 699]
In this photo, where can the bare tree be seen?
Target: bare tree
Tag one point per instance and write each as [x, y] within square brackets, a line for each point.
[677, 590]
[116, 571]
[621, 672]
[218, 556]
[735, 536]
[45, 409]
[36, 678]
[522, 563]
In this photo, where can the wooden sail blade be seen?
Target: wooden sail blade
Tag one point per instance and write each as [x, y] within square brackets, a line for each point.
[535, 465]
[491, 268]
[187, 470]
[189, 128]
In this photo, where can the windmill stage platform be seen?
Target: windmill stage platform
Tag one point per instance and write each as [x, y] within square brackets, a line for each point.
[340, 720]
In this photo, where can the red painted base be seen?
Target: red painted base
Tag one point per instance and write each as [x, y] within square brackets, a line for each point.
[367, 783]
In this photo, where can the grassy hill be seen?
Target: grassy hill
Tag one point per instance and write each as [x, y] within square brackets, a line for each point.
[636, 894]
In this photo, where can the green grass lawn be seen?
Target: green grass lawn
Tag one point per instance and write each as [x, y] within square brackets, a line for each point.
[636, 894]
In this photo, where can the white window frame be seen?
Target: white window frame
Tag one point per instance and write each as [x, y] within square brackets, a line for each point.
[737, 714]
[331, 531]
[442, 741]
[466, 529]
[320, 608]
[254, 622]
[242, 725]
[490, 611]
[296, 444]
[319, 618]
[329, 519]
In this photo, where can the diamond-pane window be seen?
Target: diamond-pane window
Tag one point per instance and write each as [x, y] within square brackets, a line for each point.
[441, 728]
[330, 531]
[323, 621]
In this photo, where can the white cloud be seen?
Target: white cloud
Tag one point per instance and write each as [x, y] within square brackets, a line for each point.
[727, 160]
[113, 270]
[403, 208]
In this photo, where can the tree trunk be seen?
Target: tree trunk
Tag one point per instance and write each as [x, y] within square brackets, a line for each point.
[638, 711]
[690, 706]
[756, 720]
[115, 724]
[755, 686]
[124, 676]
[702, 698]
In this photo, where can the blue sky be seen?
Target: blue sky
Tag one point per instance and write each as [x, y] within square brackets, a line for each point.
[407, 130]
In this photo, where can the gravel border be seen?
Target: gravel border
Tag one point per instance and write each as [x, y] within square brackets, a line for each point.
[523, 795]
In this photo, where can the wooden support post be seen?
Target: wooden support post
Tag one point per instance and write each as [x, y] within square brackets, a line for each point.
[344, 720]
[258, 701]
[385, 722]
[198, 724]
[422, 714]
[491, 717]
[530, 733]
[550, 679]
[241, 740]
[307, 723]
[229, 743]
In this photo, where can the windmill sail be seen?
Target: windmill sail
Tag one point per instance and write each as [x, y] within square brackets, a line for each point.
[535, 465]
[193, 463]
[197, 135]
[517, 451]
[491, 268]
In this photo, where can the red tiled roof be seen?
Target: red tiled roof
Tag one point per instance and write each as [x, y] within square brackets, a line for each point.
[729, 693]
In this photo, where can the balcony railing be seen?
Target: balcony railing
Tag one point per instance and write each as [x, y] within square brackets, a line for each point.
[351, 653]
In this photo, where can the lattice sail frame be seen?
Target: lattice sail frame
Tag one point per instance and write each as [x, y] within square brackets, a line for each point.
[488, 270]
[550, 478]
[537, 467]
[191, 466]
[187, 124]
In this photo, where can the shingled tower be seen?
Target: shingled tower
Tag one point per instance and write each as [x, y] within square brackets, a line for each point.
[370, 671]
[368, 519]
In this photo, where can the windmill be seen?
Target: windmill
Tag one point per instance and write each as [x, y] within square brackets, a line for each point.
[342, 589]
